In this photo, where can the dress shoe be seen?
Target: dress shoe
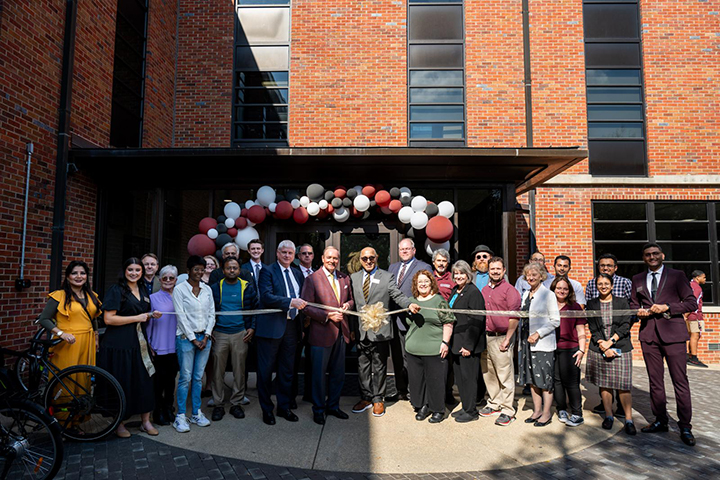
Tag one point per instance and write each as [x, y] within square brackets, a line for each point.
[694, 361]
[437, 417]
[361, 406]
[608, 423]
[293, 404]
[687, 437]
[466, 417]
[287, 415]
[237, 411]
[378, 409]
[531, 419]
[422, 413]
[655, 427]
[268, 418]
[398, 397]
[217, 414]
[337, 413]
[319, 418]
[630, 428]
[543, 424]
[154, 431]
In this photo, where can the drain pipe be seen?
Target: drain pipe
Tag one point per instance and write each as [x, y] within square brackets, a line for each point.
[527, 82]
[63, 146]
[22, 282]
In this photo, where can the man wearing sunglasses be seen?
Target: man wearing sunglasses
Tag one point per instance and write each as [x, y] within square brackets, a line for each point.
[481, 256]
[372, 285]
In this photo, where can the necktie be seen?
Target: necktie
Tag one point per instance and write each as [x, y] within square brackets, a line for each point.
[257, 274]
[366, 287]
[653, 286]
[293, 311]
[402, 273]
[331, 279]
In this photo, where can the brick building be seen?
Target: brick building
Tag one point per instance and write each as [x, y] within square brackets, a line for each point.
[576, 127]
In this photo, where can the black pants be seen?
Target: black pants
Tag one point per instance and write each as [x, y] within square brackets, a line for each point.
[372, 369]
[399, 359]
[426, 375]
[466, 374]
[166, 370]
[567, 382]
[276, 353]
[307, 370]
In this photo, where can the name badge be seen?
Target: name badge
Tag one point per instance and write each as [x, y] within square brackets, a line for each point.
[375, 280]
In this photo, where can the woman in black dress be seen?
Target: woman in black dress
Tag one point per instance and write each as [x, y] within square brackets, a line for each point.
[124, 350]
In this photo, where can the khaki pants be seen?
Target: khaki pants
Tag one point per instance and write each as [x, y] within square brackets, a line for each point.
[499, 375]
[229, 345]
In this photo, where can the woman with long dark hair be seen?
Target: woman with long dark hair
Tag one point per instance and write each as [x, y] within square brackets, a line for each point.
[124, 350]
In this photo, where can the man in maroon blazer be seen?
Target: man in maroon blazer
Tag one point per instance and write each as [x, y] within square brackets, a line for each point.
[662, 296]
[329, 333]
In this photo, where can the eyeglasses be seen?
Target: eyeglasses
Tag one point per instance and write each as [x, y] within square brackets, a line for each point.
[167, 279]
[482, 255]
[367, 259]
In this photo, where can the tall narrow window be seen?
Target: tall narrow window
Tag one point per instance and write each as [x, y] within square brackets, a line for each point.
[613, 73]
[436, 73]
[262, 64]
[126, 120]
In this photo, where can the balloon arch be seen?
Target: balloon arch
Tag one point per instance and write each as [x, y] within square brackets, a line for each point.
[339, 204]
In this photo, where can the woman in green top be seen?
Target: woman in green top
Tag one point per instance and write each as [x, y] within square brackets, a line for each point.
[427, 346]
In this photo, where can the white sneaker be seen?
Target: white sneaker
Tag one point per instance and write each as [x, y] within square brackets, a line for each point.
[211, 402]
[574, 421]
[563, 416]
[181, 424]
[200, 420]
[245, 401]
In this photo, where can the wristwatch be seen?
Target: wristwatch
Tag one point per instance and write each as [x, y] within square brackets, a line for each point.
[59, 333]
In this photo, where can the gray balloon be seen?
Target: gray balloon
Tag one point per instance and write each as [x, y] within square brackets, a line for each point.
[351, 193]
[336, 202]
[315, 191]
[346, 202]
[405, 201]
[222, 239]
[373, 204]
[431, 210]
[221, 228]
[411, 232]
[329, 195]
[395, 192]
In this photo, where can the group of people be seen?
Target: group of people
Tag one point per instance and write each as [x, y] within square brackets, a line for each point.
[462, 325]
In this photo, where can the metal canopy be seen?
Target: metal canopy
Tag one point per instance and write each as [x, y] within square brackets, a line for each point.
[526, 168]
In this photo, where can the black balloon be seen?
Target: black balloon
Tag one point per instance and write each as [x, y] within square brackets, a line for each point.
[315, 191]
[329, 195]
[395, 192]
[292, 195]
[222, 239]
[221, 228]
[406, 200]
[351, 193]
[346, 202]
[431, 210]
[279, 198]
[336, 202]
[221, 219]
[218, 253]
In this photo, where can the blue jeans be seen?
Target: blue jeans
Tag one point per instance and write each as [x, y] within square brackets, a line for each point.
[192, 365]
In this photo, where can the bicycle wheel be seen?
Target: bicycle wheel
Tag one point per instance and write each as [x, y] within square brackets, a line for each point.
[87, 402]
[32, 376]
[30, 442]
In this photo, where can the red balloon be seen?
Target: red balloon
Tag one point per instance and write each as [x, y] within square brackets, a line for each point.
[240, 223]
[206, 224]
[356, 213]
[256, 214]
[284, 210]
[201, 244]
[232, 232]
[395, 205]
[243, 212]
[340, 192]
[382, 198]
[301, 215]
[330, 209]
[439, 229]
[368, 191]
[323, 213]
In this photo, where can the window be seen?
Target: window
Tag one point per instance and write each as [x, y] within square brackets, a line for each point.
[128, 94]
[687, 232]
[262, 64]
[436, 74]
[613, 73]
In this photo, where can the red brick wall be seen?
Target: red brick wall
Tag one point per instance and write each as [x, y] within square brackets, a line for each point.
[348, 74]
[494, 74]
[160, 74]
[203, 91]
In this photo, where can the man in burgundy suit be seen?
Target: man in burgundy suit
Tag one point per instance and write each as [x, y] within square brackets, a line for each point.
[662, 296]
[329, 333]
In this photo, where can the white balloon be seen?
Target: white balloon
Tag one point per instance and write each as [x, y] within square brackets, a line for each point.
[304, 200]
[385, 210]
[250, 224]
[232, 210]
[431, 246]
[257, 202]
[295, 203]
[405, 214]
[249, 204]
[361, 203]
[419, 220]
[323, 204]
[313, 209]
[230, 222]
[244, 236]
[405, 192]
[341, 214]
[212, 233]
[446, 209]
[272, 207]
[266, 195]
[419, 203]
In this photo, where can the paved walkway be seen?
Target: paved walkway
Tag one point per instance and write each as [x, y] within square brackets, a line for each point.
[457, 457]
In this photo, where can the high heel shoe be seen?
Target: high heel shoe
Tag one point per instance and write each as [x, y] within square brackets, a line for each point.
[531, 419]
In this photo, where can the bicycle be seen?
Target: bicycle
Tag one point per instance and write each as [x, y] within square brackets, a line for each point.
[87, 401]
[31, 444]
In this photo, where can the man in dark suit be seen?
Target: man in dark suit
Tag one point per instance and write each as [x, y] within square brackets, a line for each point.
[404, 270]
[328, 334]
[372, 285]
[662, 296]
[277, 333]
[256, 248]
